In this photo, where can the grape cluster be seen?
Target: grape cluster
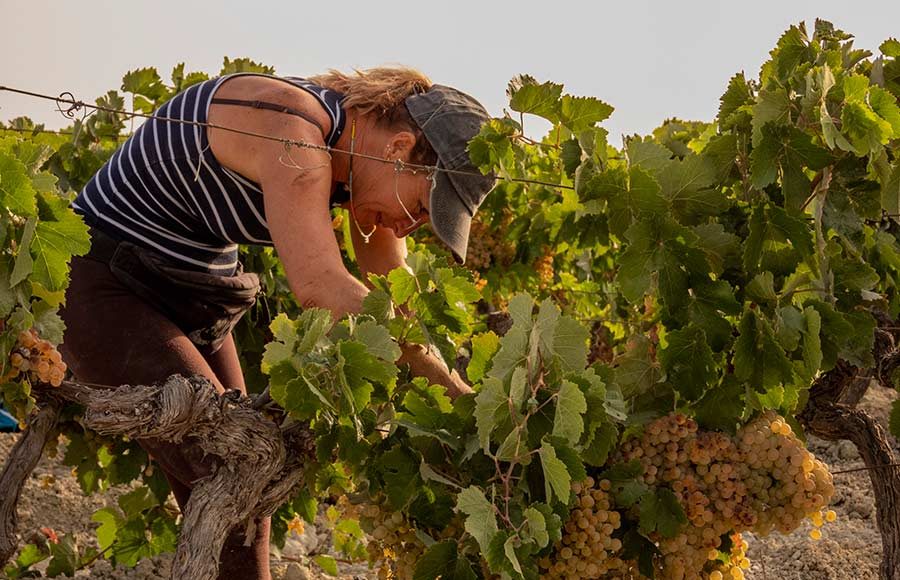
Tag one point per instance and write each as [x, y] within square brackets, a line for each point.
[544, 267]
[32, 354]
[587, 548]
[761, 479]
[487, 246]
[786, 480]
[393, 544]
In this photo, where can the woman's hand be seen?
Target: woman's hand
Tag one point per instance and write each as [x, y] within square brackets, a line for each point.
[424, 364]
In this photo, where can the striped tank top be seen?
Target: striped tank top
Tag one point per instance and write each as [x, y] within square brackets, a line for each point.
[164, 189]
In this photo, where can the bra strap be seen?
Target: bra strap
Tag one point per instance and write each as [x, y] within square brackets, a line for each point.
[270, 107]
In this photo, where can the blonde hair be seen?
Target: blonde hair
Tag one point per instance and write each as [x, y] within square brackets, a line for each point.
[380, 90]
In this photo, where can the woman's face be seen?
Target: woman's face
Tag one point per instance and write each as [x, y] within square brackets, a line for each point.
[382, 195]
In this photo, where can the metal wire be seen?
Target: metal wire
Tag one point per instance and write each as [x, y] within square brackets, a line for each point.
[73, 106]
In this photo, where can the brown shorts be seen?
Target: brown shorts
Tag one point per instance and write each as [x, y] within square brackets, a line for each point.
[206, 307]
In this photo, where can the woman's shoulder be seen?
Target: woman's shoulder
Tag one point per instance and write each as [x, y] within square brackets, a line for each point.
[287, 92]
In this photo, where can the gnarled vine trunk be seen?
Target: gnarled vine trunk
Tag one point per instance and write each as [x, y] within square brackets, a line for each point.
[831, 414]
[255, 465]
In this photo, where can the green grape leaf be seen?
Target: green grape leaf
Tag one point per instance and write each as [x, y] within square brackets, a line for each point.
[56, 240]
[24, 265]
[513, 350]
[16, 191]
[537, 527]
[812, 343]
[109, 520]
[722, 407]
[570, 344]
[7, 295]
[483, 348]
[244, 65]
[660, 511]
[377, 304]
[556, 477]
[28, 557]
[685, 185]
[894, 422]
[717, 244]
[377, 340]
[571, 156]
[509, 549]
[737, 95]
[442, 560]
[885, 106]
[688, 362]
[571, 459]
[758, 357]
[626, 488]
[648, 155]
[491, 400]
[762, 288]
[146, 82]
[527, 96]
[137, 501]
[481, 521]
[65, 557]
[580, 113]
[772, 106]
[403, 285]
[362, 368]
[327, 563]
[636, 371]
[890, 48]
[570, 406]
[601, 442]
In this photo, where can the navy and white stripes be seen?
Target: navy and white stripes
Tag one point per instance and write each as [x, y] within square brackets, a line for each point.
[165, 190]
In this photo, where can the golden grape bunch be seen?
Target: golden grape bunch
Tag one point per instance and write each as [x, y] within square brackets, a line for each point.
[393, 544]
[759, 480]
[37, 358]
[587, 548]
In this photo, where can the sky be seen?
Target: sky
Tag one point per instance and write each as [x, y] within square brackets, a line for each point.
[650, 60]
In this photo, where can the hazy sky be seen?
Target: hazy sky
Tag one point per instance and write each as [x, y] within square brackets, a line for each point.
[650, 60]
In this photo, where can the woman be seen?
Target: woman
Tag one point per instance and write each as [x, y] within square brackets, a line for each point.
[162, 288]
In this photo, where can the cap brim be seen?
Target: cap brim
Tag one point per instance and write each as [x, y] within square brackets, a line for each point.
[449, 216]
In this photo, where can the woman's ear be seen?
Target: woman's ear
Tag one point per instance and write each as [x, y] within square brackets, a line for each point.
[400, 146]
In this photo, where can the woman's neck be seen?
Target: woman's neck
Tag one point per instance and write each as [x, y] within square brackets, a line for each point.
[340, 159]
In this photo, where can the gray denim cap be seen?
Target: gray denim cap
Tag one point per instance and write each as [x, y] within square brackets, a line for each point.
[450, 119]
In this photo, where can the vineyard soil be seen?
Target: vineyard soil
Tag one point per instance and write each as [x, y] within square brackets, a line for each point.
[849, 549]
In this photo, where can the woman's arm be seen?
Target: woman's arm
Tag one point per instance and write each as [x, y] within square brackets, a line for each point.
[299, 218]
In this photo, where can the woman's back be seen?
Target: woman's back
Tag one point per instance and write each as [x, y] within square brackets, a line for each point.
[164, 189]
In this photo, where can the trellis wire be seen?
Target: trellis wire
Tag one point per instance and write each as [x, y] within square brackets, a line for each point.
[66, 98]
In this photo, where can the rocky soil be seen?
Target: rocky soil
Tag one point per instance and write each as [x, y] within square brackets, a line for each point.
[850, 547]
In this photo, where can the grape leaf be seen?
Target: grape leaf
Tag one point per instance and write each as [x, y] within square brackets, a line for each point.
[481, 521]
[556, 477]
[660, 511]
[438, 561]
[16, 191]
[527, 96]
[688, 362]
[737, 95]
[570, 406]
[570, 344]
[483, 348]
[488, 403]
[758, 357]
[580, 113]
[327, 563]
